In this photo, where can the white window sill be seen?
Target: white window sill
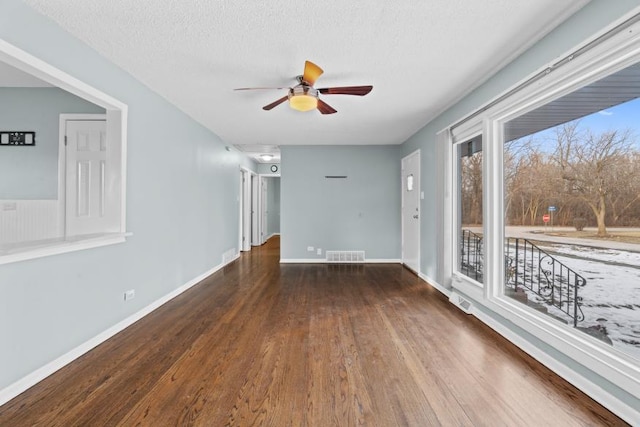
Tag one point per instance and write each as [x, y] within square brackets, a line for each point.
[467, 286]
[37, 249]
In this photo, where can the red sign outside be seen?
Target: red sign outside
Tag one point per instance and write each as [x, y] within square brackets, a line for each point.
[546, 217]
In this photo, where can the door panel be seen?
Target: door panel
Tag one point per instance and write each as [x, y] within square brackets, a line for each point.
[86, 164]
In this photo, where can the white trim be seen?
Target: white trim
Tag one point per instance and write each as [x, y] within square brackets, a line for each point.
[246, 203]
[324, 261]
[435, 284]
[119, 122]
[28, 63]
[43, 372]
[444, 198]
[57, 247]
[467, 286]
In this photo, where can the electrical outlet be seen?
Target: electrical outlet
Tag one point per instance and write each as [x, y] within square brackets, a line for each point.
[319, 252]
[130, 294]
[309, 248]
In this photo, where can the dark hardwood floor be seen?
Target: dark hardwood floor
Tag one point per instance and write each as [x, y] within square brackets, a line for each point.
[258, 343]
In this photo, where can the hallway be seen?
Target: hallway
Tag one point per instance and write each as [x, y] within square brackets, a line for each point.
[259, 343]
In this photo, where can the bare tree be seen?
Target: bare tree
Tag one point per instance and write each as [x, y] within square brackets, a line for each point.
[529, 181]
[588, 163]
[625, 200]
[471, 188]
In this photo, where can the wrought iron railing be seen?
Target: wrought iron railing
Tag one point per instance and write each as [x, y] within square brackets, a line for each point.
[528, 266]
[471, 257]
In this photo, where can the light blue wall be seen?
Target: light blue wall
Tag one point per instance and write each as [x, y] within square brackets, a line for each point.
[182, 207]
[591, 19]
[273, 206]
[361, 212]
[31, 173]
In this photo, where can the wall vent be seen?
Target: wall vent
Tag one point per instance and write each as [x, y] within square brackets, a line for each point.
[345, 256]
[460, 302]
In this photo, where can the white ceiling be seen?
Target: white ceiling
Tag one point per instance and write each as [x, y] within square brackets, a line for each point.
[420, 57]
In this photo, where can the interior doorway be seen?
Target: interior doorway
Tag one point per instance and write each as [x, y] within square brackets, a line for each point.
[247, 225]
[269, 207]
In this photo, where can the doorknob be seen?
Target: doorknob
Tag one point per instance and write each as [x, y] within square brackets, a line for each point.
[415, 216]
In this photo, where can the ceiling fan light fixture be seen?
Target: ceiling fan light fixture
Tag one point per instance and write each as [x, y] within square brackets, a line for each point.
[303, 102]
[303, 98]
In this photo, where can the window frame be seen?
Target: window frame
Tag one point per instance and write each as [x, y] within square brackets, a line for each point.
[460, 135]
[618, 52]
[116, 118]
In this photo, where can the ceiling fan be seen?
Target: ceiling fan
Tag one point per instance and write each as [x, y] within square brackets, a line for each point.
[304, 97]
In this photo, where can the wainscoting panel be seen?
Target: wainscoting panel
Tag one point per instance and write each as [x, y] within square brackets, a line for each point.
[28, 220]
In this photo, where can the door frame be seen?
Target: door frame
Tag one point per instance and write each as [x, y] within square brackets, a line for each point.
[246, 199]
[62, 164]
[255, 209]
[262, 204]
[402, 203]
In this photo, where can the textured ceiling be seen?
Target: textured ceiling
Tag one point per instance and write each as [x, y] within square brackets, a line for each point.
[420, 57]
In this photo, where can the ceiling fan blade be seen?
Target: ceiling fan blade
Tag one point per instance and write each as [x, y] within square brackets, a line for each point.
[346, 90]
[311, 72]
[275, 103]
[260, 88]
[325, 108]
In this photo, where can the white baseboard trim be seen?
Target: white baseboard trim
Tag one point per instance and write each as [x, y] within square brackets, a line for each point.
[615, 405]
[438, 286]
[324, 261]
[40, 374]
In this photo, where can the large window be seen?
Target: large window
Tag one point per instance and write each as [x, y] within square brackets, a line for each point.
[545, 207]
[572, 209]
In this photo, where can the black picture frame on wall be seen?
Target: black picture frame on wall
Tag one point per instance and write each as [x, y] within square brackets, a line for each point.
[13, 138]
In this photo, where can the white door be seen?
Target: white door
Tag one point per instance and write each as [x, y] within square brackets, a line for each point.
[255, 229]
[411, 211]
[86, 175]
[264, 217]
[245, 210]
[241, 221]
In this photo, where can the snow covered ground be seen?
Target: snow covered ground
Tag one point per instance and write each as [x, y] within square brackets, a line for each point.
[611, 297]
